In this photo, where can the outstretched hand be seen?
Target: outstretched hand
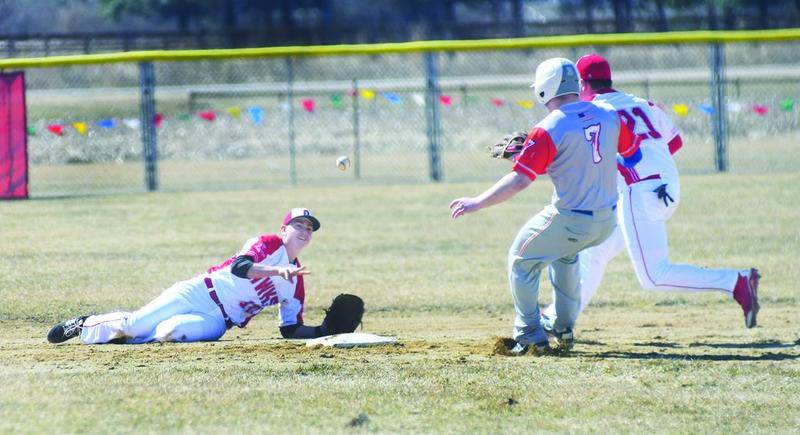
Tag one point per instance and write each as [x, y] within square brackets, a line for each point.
[462, 206]
[288, 273]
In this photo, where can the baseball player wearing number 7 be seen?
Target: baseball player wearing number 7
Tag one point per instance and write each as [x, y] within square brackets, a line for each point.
[576, 145]
[649, 195]
[265, 272]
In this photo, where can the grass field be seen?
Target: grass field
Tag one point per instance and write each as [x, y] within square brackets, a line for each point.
[643, 362]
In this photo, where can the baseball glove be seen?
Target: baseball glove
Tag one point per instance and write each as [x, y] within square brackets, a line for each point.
[509, 146]
[344, 314]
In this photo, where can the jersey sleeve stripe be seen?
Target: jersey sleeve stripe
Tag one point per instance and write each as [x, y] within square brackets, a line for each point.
[524, 170]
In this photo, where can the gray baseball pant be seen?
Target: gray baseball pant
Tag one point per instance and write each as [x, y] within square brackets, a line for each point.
[554, 237]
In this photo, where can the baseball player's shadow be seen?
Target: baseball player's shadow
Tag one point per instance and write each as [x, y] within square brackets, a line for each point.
[769, 356]
[771, 344]
[664, 345]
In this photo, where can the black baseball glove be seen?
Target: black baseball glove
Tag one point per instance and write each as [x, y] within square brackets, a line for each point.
[509, 146]
[344, 314]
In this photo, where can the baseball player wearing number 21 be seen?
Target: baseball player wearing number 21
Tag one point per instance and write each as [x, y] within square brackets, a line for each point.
[265, 272]
[649, 196]
[577, 144]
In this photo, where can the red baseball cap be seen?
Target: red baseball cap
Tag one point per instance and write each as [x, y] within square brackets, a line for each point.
[297, 213]
[594, 67]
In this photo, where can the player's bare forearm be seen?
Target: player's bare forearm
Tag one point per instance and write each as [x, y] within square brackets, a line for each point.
[505, 188]
[288, 273]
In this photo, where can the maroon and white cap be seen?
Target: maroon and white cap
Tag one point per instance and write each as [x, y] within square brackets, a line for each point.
[594, 67]
[300, 212]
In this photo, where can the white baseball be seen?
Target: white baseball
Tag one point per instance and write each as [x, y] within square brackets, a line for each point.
[343, 162]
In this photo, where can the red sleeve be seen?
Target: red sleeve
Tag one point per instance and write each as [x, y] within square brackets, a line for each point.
[675, 144]
[264, 247]
[537, 155]
[628, 142]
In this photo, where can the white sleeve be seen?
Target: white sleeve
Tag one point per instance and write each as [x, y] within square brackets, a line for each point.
[290, 312]
[663, 123]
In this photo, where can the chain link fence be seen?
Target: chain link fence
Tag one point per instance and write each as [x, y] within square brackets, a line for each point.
[401, 118]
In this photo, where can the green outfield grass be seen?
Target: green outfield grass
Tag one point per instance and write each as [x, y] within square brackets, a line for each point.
[643, 362]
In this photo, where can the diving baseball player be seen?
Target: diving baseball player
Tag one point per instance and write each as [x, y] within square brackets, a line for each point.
[649, 195]
[265, 272]
[576, 145]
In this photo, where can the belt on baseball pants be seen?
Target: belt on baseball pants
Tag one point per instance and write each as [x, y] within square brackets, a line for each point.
[590, 212]
[213, 294]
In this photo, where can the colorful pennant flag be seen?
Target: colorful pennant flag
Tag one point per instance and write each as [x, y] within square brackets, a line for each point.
[80, 127]
[681, 110]
[184, 117]
[106, 123]
[158, 118]
[368, 94]
[734, 106]
[706, 108]
[56, 129]
[446, 100]
[525, 104]
[256, 114]
[234, 111]
[336, 100]
[31, 131]
[497, 102]
[208, 115]
[392, 98]
[132, 123]
[787, 104]
[308, 105]
[418, 98]
[760, 109]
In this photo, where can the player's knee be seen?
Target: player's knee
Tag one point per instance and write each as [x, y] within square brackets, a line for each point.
[169, 330]
[645, 282]
[649, 279]
[521, 269]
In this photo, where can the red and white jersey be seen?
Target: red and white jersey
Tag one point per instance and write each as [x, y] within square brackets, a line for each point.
[655, 129]
[244, 298]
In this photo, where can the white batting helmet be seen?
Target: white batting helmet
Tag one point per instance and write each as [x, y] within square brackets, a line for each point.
[555, 77]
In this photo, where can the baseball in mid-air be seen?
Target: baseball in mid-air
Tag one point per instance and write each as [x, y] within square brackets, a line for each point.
[343, 162]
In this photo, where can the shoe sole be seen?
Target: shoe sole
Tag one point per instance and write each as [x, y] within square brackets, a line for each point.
[751, 318]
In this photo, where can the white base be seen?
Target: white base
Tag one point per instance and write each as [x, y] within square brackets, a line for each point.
[353, 339]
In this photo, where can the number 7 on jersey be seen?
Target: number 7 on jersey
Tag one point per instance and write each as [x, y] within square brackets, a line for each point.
[592, 134]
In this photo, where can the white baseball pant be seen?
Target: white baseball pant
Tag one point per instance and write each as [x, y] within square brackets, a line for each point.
[642, 229]
[183, 312]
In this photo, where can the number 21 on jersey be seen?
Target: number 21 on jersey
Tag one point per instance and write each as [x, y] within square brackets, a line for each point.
[630, 121]
[592, 135]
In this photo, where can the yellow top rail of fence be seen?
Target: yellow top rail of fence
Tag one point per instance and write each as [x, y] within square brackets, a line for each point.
[689, 37]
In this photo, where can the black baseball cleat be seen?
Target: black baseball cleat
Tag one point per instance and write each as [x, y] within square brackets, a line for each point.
[565, 340]
[66, 330]
[537, 349]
